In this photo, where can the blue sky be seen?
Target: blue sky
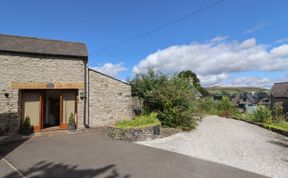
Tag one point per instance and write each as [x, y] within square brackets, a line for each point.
[228, 44]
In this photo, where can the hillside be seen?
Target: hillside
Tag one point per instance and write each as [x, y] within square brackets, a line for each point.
[234, 90]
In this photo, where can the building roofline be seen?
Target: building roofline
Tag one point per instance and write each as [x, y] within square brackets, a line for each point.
[38, 38]
[42, 54]
[280, 82]
[109, 76]
[34, 45]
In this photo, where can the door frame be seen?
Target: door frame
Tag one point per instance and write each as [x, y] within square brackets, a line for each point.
[42, 113]
[62, 125]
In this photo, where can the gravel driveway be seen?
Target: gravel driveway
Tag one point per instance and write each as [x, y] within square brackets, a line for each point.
[231, 142]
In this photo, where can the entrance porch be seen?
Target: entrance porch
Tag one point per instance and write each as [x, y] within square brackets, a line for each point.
[49, 109]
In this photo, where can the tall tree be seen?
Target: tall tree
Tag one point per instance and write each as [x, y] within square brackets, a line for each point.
[193, 79]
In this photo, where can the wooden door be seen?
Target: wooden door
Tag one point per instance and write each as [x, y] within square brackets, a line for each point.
[63, 125]
[42, 111]
[32, 109]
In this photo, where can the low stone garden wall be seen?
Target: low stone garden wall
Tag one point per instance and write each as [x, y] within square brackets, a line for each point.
[133, 134]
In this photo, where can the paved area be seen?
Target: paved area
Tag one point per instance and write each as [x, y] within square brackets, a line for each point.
[231, 142]
[93, 154]
[5, 169]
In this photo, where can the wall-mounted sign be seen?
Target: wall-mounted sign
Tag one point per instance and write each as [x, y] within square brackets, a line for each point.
[50, 85]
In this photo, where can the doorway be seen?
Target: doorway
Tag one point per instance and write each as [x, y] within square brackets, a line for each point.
[49, 109]
[53, 111]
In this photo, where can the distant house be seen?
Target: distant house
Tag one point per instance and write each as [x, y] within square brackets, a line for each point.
[235, 99]
[279, 94]
[261, 95]
[247, 99]
[266, 101]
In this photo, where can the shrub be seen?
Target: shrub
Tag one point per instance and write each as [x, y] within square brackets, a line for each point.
[26, 127]
[171, 97]
[139, 121]
[144, 86]
[262, 114]
[278, 112]
[26, 123]
[71, 119]
[226, 107]
[245, 116]
[191, 76]
[209, 105]
[176, 104]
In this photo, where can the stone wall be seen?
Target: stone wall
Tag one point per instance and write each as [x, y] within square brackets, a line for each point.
[109, 99]
[133, 134]
[281, 101]
[33, 68]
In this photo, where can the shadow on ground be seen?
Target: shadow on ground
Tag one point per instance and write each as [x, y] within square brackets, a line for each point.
[45, 169]
[279, 143]
[7, 146]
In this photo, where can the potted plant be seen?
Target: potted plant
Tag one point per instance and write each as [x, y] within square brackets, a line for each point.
[26, 127]
[71, 124]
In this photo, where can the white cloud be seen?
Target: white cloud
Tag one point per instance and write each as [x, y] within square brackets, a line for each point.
[263, 82]
[214, 60]
[111, 69]
[213, 80]
[280, 51]
[282, 40]
[257, 27]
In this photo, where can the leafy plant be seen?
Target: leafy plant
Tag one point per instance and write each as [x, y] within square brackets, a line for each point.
[139, 121]
[171, 97]
[209, 105]
[192, 77]
[278, 112]
[245, 116]
[226, 107]
[178, 104]
[26, 127]
[279, 125]
[26, 123]
[262, 114]
[71, 119]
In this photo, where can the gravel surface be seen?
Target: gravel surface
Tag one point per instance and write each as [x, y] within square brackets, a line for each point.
[231, 142]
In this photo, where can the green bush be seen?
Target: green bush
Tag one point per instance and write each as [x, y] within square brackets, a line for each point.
[279, 125]
[278, 112]
[192, 77]
[226, 107]
[223, 108]
[139, 121]
[177, 104]
[171, 97]
[71, 119]
[262, 114]
[245, 116]
[26, 127]
[209, 105]
[26, 123]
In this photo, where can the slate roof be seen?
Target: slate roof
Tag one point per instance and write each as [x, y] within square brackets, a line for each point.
[30, 45]
[248, 96]
[280, 90]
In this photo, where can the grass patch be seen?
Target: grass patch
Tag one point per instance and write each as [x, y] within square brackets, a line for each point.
[278, 125]
[245, 116]
[139, 121]
[282, 125]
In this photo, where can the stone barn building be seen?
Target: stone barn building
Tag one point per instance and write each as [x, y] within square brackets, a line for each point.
[49, 80]
[279, 94]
